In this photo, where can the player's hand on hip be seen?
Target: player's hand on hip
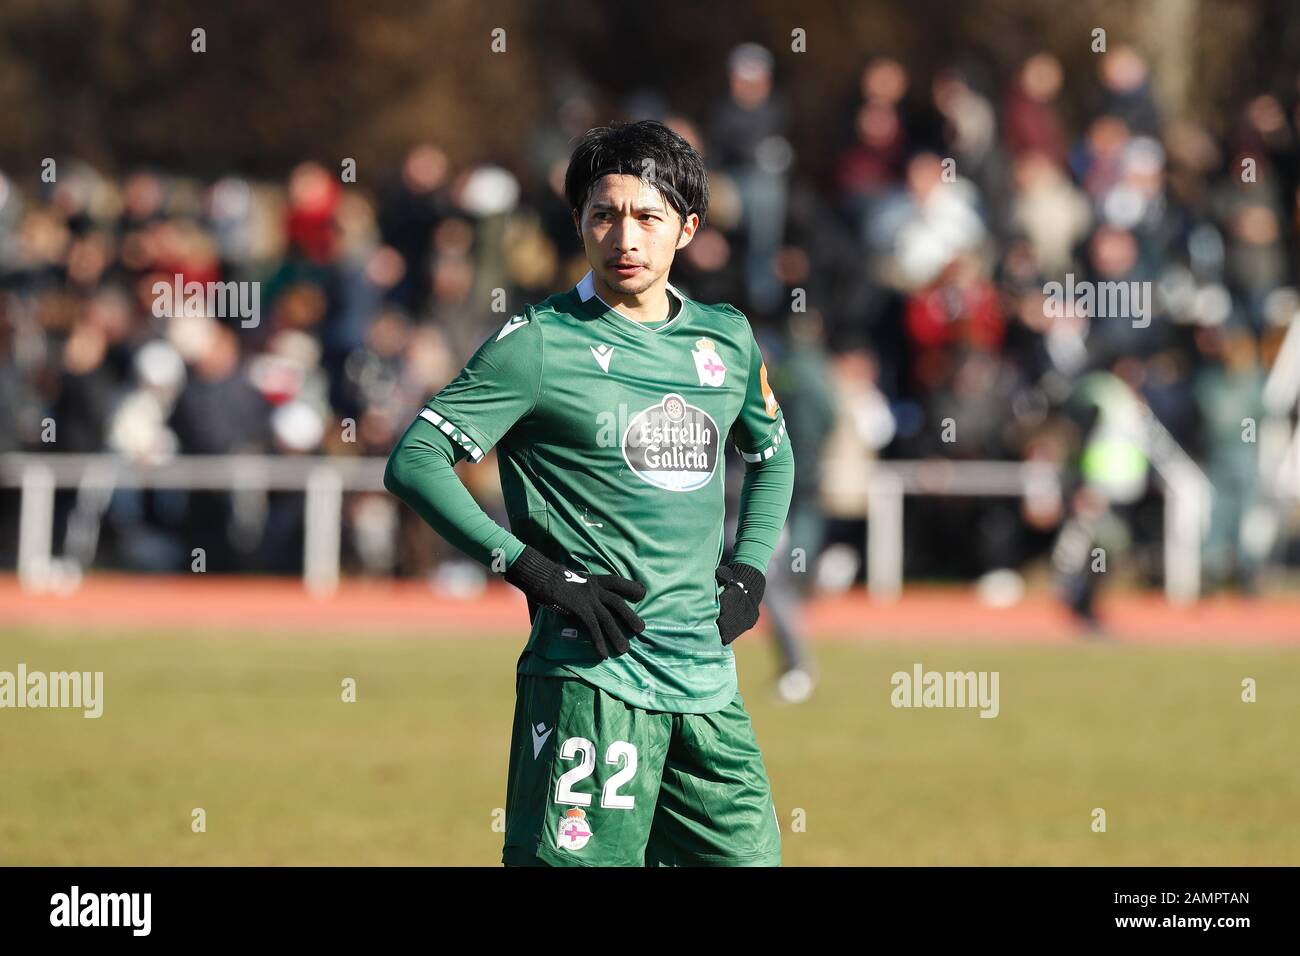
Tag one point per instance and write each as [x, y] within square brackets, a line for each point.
[597, 601]
[742, 591]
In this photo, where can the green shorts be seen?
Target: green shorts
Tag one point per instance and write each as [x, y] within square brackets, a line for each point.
[596, 782]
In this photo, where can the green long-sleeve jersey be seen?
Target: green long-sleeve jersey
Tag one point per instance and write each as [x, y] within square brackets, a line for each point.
[610, 444]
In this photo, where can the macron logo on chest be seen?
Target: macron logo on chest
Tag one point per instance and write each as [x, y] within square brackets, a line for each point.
[602, 354]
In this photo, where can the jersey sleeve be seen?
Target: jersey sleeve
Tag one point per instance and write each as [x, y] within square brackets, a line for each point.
[421, 472]
[760, 427]
[497, 387]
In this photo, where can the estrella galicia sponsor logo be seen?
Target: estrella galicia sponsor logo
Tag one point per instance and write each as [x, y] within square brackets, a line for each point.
[672, 445]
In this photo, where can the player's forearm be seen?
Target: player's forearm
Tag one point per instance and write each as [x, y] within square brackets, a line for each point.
[764, 503]
[420, 473]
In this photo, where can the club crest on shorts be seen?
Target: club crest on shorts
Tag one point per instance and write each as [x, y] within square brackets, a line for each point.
[574, 831]
[708, 363]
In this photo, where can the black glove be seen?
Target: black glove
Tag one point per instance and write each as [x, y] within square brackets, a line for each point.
[596, 600]
[742, 590]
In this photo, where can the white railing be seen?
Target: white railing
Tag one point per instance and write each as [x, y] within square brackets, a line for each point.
[1279, 433]
[1187, 507]
[324, 480]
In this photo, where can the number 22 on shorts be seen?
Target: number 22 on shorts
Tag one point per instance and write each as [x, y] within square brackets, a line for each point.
[619, 752]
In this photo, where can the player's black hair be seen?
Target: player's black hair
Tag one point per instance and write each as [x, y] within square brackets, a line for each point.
[678, 169]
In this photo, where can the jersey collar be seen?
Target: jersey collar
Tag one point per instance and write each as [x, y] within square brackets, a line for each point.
[586, 292]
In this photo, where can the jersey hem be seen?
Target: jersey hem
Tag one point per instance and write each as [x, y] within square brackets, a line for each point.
[619, 689]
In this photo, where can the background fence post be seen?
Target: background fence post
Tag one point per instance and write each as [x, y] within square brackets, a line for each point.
[322, 531]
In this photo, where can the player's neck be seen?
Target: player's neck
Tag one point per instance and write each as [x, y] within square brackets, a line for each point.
[649, 307]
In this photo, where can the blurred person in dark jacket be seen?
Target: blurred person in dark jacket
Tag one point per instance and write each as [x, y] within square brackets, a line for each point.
[219, 412]
[748, 133]
[409, 212]
[1126, 90]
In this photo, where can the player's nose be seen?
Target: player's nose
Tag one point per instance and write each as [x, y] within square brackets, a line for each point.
[621, 238]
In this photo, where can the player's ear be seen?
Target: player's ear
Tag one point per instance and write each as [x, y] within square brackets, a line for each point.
[689, 225]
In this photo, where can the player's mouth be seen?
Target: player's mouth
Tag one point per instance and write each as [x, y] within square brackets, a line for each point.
[626, 269]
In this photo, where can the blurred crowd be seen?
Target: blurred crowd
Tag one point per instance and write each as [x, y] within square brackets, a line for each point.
[900, 291]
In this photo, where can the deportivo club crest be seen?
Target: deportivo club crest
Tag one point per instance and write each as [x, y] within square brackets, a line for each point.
[574, 831]
[708, 363]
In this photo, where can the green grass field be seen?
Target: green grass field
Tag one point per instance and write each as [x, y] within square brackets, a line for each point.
[252, 729]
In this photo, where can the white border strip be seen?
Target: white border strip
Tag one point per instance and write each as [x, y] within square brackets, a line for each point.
[770, 450]
[452, 432]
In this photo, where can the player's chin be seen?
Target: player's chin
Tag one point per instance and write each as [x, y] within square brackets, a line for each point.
[630, 285]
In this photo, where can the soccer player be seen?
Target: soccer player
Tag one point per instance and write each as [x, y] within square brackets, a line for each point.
[609, 405]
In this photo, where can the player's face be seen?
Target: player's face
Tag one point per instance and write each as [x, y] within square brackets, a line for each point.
[631, 234]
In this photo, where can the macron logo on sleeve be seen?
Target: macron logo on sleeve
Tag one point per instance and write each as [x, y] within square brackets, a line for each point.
[516, 322]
